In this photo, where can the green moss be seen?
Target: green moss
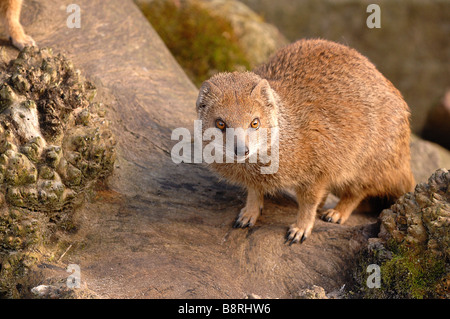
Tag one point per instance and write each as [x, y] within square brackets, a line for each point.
[201, 42]
[412, 272]
[406, 272]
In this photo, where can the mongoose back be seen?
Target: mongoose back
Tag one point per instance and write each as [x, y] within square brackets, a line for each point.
[343, 128]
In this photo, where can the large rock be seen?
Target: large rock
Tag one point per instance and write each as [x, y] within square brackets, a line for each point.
[412, 251]
[54, 146]
[437, 127]
[258, 39]
[210, 36]
[422, 217]
[157, 229]
[427, 157]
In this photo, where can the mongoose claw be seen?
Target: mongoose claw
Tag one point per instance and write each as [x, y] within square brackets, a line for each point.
[21, 43]
[247, 218]
[295, 235]
[239, 224]
[332, 216]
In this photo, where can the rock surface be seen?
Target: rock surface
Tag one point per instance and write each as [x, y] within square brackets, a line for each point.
[411, 251]
[54, 147]
[426, 157]
[211, 36]
[437, 128]
[315, 292]
[53, 143]
[422, 218]
[258, 39]
[161, 230]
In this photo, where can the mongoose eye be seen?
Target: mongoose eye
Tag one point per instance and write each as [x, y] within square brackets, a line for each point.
[220, 124]
[255, 123]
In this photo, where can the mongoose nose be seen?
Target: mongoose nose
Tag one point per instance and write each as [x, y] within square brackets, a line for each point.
[241, 151]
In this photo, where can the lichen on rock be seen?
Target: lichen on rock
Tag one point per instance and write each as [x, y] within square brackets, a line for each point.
[413, 245]
[54, 145]
[422, 217]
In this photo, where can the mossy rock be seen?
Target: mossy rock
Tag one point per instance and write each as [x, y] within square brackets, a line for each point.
[413, 248]
[54, 146]
[203, 43]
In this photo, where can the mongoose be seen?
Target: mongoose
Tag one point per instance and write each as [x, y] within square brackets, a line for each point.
[343, 128]
[10, 13]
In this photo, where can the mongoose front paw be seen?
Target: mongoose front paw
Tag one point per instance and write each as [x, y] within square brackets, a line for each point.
[247, 217]
[297, 234]
[21, 43]
[333, 216]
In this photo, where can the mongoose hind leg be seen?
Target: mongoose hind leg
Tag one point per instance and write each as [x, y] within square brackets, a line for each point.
[322, 202]
[308, 202]
[253, 208]
[343, 209]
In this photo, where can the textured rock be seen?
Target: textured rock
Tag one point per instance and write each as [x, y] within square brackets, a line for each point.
[53, 144]
[411, 251]
[258, 39]
[53, 147]
[422, 217]
[315, 292]
[412, 248]
[157, 229]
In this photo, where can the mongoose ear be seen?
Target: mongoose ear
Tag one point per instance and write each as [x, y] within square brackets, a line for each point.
[208, 95]
[263, 91]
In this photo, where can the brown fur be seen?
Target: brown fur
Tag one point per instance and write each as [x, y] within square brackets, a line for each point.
[344, 128]
[10, 13]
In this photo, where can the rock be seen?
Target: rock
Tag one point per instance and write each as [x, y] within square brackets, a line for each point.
[253, 296]
[46, 291]
[210, 36]
[426, 158]
[258, 39]
[61, 291]
[315, 292]
[422, 217]
[437, 128]
[154, 228]
[49, 158]
[412, 249]
[48, 155]
[202, 42]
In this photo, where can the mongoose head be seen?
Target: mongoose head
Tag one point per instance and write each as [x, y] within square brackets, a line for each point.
[239, 107]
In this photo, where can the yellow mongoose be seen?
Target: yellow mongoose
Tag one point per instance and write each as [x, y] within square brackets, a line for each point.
[10, 13]
[343, 128]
